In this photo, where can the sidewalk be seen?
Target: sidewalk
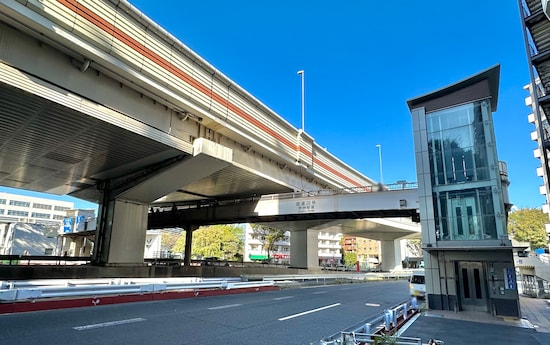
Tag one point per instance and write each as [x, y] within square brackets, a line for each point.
[481, 328]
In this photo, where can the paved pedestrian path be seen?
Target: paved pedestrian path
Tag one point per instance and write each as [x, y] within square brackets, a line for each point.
[537, 311]
[481, 328]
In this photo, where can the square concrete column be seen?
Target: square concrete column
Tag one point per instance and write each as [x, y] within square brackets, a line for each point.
[391, 255]
[304, 250]
[122, 235]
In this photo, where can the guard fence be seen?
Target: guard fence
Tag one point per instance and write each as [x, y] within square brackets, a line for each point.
[14, 291]
[381, 329]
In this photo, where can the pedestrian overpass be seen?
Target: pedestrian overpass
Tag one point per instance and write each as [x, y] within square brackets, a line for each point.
[388, 215]
[100, 103]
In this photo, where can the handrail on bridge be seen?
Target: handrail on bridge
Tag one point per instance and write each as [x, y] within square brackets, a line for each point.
[399, 185]
[347, 190]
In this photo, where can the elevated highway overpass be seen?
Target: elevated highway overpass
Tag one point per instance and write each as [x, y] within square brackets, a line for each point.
[99, 102]
[387, 215]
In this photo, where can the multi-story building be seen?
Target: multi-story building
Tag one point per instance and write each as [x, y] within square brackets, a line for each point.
[367, 250]
[254, 247]
[30, 225]
[78, 232]
[328, 247]
[26, 209]
[536, 28]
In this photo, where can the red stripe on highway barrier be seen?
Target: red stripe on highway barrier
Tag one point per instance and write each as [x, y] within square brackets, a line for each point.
[27, 306]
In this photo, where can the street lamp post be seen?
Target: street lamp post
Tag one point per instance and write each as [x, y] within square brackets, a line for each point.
[301, 72]
[380, 158]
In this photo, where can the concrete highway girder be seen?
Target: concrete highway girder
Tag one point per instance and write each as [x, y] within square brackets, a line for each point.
[377, 215]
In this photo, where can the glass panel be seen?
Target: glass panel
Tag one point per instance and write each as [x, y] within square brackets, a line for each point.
[458, 213]
[460, 151]
[465, 215]
[465, 283]
[471, 221]
[417, 279]
[477, 282]
[456, 145]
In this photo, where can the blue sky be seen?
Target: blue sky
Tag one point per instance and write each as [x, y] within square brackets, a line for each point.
[363, 60]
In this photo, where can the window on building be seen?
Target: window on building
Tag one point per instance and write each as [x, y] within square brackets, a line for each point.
[40, 215]
[20, 203]
[3, 201]
[18, 213]
[58, 217]
[61, 208]
[41, 206]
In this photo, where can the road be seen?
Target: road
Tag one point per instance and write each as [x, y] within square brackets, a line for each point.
[289, 316]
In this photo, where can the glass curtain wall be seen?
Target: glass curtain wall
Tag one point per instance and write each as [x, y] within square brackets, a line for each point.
[458, 155]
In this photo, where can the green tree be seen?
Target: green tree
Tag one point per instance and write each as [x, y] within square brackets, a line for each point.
[169, 240]
[528, 225]
[222, 241]
[268, 236]
[415, 247]
[350, 258]
[179, 245]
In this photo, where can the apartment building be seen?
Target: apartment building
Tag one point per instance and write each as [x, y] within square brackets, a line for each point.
[367, 250]
[536, 24]
[328, 248]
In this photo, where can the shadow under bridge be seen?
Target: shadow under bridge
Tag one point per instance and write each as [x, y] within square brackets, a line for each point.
[382, 215]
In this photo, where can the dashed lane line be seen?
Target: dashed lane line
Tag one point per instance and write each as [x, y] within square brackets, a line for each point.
[282, 298]
[309, 312]
[224, 306]
[108, 324]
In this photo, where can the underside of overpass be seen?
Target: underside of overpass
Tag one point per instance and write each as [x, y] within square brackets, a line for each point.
[387, 216]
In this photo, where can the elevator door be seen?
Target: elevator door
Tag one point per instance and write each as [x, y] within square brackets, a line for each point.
[472, 286]
[464, 221]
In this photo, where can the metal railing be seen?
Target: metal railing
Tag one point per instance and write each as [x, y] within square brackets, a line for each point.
[545, 259]
[322, 278]
[381, 329]
[43, 260]
[283, 196]
[348, 190]
[525, 9]
[13, 291]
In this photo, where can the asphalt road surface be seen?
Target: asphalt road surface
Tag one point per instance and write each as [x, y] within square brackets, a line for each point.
[289, 316]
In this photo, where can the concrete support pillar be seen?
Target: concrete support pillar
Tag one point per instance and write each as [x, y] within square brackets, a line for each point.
[391, 254]
[120, 237]
[304, 250]
[188, 242]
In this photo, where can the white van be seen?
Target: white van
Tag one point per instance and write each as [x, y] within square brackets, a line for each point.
[417, 283]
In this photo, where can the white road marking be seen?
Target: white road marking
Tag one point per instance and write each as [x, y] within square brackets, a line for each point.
[224, 306]
[309, 312]
[319, 292]
[108, 324]
[281, 298]
[372, 304]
